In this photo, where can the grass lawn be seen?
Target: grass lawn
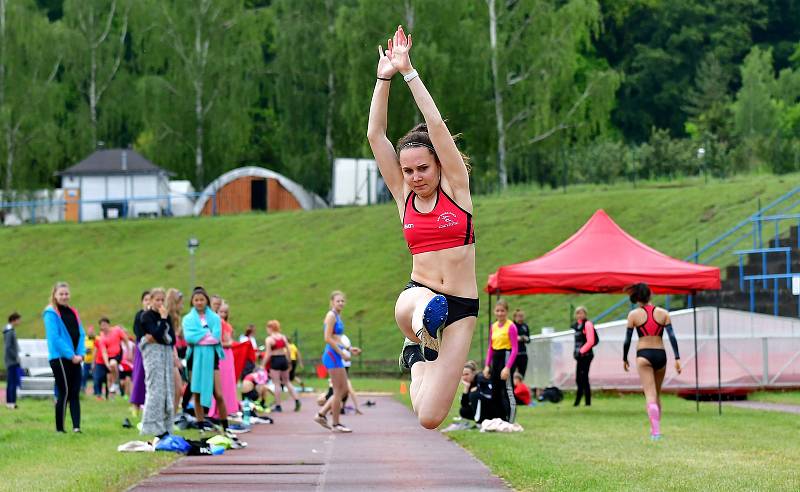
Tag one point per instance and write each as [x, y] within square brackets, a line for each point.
[35, 457]
[284, 265]
[787, 397]
[606, 447]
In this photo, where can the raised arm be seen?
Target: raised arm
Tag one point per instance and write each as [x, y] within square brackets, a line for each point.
[453, 167]
[382, 148]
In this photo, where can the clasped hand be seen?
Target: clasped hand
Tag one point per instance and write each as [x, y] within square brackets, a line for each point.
[396, 57]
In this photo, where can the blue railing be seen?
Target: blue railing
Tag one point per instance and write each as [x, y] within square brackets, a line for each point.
[750, 228]
[43, 207]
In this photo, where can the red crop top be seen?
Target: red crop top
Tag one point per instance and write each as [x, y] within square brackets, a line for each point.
[280, 342]
[651, 327]
[446, 226]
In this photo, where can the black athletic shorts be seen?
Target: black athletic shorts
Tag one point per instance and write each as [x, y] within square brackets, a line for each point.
[251, 395]
[279, 363]
[656, 357]
[457, 307]
[190, 360]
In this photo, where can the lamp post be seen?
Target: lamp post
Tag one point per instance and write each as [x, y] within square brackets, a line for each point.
[192, 244]
[701, 154]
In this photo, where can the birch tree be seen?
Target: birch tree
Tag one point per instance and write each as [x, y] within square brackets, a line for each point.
[204, 60]
[544, 82]
[101, 27]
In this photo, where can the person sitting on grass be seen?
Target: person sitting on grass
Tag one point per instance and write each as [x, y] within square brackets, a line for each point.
[522, 394]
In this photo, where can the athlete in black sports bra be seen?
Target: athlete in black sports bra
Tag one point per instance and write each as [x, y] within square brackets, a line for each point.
[651, 358]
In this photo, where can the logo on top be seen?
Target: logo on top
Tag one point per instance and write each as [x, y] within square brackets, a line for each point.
[447, 219]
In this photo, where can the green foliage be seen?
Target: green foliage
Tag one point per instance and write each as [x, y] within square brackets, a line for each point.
[200, 87]
[31, 100]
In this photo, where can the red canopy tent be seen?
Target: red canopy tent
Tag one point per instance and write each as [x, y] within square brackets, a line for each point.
[602, 258]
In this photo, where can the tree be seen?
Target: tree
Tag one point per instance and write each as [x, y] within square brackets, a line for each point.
[101, 27]
[29, 94]
[544, 79]
[754, 112]
[203, 59]
[658, 45]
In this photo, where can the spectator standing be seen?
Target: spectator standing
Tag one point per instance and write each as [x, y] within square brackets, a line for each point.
[138, 385]
[585, 338]
[523, 338]
[65, 347]
[157, 357]
[12, 360]
[499, 361]
[88, 359]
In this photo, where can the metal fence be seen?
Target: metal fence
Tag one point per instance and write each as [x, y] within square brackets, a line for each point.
[757, 351]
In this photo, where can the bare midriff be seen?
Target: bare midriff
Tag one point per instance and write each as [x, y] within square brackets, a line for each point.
[449, 271]
[650, 343]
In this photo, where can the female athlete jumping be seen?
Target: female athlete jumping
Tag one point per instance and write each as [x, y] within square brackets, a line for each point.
[429, 180]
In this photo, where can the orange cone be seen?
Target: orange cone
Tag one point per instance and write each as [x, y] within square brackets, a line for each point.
[403, 388]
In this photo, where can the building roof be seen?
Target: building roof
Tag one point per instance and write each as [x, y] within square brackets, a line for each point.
[305, 198]
[113, 161]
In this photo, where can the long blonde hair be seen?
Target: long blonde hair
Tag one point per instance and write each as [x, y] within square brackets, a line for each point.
[57, 286]
[174, 297]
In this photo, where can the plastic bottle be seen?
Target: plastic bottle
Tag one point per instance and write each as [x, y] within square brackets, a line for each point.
[246, 417]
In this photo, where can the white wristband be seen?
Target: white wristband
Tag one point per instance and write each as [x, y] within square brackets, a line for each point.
[410, 76]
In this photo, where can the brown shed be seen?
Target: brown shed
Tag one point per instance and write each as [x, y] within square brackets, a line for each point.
[254, 188]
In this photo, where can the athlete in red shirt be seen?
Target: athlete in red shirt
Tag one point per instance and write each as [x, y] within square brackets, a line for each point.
[429, 181]
[651, 358]
[110, 351]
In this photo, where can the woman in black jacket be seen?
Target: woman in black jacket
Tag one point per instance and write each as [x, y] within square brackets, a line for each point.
[158, 362]
[585, 340]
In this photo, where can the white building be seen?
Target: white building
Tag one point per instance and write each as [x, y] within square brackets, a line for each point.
[115, 183]
[356, 182]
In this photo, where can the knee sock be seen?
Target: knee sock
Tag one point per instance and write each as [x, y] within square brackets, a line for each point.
[654, 414]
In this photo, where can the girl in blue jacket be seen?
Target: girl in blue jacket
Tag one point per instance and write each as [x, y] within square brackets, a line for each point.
[65, 346]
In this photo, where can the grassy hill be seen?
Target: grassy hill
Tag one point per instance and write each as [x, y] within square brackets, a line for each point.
[284, 265]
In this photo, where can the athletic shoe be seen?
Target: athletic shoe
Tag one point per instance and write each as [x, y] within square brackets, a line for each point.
[297, 405]
[322, 420]
[403, 360]
[126, 423]
[433, 320]
[341, 428]
[235, 442]
[277, 408]
[260, 420]
[238, 429]
[655, 437]
[77, 430]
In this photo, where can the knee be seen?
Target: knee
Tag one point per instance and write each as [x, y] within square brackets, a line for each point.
[430, 419]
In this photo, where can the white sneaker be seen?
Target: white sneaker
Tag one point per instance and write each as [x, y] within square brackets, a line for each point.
[341, 428]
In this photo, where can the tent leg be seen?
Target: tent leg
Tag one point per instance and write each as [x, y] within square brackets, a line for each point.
[696, 356]
[719, 360]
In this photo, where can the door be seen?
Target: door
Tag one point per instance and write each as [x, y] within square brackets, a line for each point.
[258, 194]
[71, 207]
